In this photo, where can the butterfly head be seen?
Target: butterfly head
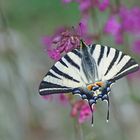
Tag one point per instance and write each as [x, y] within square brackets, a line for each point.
[82, 43]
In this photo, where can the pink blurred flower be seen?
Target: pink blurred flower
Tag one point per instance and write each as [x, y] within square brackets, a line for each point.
[119, 38]
[114, 28]
[135, 75]
[130, 19]
[49, 43]
[66, 39]
[82, 28]
[85, 113]
[136, 47]
[63, 99]
[63, 41]
[54, 54]
[81, 110]
[47, 97]
[66, 1]
[103, 4]
[86, 5]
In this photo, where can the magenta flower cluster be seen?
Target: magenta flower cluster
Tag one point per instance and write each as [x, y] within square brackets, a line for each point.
[66, 39]
[126, 22]
[114, 28]
[81, 110]
[86, 5]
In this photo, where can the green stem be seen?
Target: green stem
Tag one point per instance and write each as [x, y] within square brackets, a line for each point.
[118, 118]
[118, 3]
[3, 19]
[78, 130]
[97, 30]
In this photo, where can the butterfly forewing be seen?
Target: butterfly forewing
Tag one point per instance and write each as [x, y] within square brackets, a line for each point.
[64, 76]
[112, 63]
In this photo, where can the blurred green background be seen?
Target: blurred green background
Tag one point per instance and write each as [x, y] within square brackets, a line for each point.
[24, 115]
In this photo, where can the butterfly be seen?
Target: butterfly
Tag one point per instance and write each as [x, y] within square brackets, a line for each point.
[88, 71]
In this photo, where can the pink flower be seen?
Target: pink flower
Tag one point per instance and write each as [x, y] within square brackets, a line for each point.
[119, 38]
[130, 19]
[114, 28]
[103, 5]
[63, 41]
[82, 28]
[86, 5]
[85, 113]
[134, 75]
[66, 39]
[136, 47]
[81, 110]
[67, 1]
[63, 99]
[47, 97]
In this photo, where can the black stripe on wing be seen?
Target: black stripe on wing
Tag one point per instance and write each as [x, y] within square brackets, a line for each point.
[92, 48]
[122, 55]
[45, 84]
[76, 52]
[55, 69]
[71, 62]
[130, 63]
[63, 63]
[51, 74]
[108, 51]
[101, 54]
[47, 88]
[113, 61]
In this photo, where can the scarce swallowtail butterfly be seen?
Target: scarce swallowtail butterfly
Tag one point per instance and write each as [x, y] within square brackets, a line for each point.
[89, 71]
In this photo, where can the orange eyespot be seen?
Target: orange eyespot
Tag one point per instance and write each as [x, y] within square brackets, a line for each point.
[89, 87]
[100, 84]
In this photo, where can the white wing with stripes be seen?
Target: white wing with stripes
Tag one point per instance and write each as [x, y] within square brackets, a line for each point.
[84, 66]
[64, 76]
[112, 63]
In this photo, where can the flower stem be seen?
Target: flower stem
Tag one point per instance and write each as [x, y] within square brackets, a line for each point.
[78, 130]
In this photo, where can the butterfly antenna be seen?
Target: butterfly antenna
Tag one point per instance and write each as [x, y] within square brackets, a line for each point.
[73, 29]
[83, 45]
[80, 29]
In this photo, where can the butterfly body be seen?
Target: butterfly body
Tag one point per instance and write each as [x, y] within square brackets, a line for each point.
[93, 92]
[89, 71]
